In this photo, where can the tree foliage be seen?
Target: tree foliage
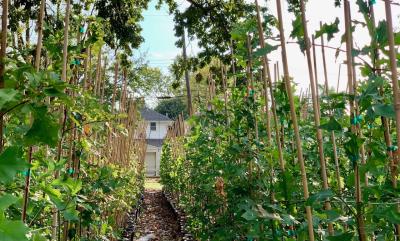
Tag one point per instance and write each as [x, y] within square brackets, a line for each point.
[172, 108]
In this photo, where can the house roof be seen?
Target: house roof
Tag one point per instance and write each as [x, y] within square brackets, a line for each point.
[155, 142]
[151, 115]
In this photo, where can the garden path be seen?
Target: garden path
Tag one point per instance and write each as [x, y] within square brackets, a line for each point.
[158, 221]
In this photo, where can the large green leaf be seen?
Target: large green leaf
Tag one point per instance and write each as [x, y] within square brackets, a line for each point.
[74, 186]
[381, 33]
[13, 231]
[7, 96]
[331, 125]
[250, 215]
[11, 162]
[268, 49]
[71, 214]
[328, 29]
[320, 196]
[384, 110]
[7, 200]
[44, 130]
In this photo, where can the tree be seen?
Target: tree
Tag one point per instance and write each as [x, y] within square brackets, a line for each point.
[210, 22]
[123, 19]
[172, 107]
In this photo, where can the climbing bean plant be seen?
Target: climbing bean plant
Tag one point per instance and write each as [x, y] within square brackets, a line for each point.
[317, 166]
[71, 142]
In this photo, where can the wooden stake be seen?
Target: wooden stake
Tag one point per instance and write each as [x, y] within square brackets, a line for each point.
[396, 96]
[359, 216]
[266, 77]
[65, 45]
[4, 26]
[314, 95]
[233, 63]
[30, 149]
[40, 34]
[333, 137]
[264, 74]
[299, 146]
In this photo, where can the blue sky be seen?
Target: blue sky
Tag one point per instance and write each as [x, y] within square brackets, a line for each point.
[159, 35]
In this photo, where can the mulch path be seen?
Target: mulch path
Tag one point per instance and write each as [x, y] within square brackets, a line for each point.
[158, 219]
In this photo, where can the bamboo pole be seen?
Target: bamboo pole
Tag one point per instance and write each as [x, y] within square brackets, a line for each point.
[266, 77]
[299, 146]
[30, 149]
[314, 95]
[65, 45]
[333, 137]
[396, 96]
[4, 26]
[324, 62]
[40, 34]
[359, 216]
[224, 89]
[339, 75]
[233, 63]
[250, 80]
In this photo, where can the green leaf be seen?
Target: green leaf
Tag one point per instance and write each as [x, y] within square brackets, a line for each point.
[331, 125]
[328, 29]
[341, 237]
[390, 214]
[320, 196]
[74, 186]
[71, 214]
[45, 129]
[7, 200]
[11, 162]
[54, 92]
[250, 215]
[384, 110]
[7, 96]
[13, 231]
[268, 49]
[381, 33]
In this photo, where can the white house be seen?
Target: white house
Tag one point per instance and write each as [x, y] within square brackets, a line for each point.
[157, 126]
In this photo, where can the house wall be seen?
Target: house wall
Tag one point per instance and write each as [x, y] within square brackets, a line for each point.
[160, 133]
[157, 150]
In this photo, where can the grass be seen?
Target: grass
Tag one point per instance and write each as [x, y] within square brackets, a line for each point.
[152, 184]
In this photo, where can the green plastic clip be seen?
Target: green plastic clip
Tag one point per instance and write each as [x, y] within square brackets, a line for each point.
[354, 159]
[372, 2]
[82, 29]
[252, 92]
[356, 120]
[76, 62]
[392, 148]
[71, 171]
[25, 173]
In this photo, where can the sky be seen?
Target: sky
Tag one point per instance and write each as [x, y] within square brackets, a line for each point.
[159, 44]
[159, 34]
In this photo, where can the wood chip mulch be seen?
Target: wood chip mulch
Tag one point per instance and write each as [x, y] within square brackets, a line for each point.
[157, 220]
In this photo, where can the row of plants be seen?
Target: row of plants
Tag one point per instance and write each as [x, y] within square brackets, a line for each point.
[262, 163]
[72, 143]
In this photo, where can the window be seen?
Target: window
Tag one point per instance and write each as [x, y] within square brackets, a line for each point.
[153, 126]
